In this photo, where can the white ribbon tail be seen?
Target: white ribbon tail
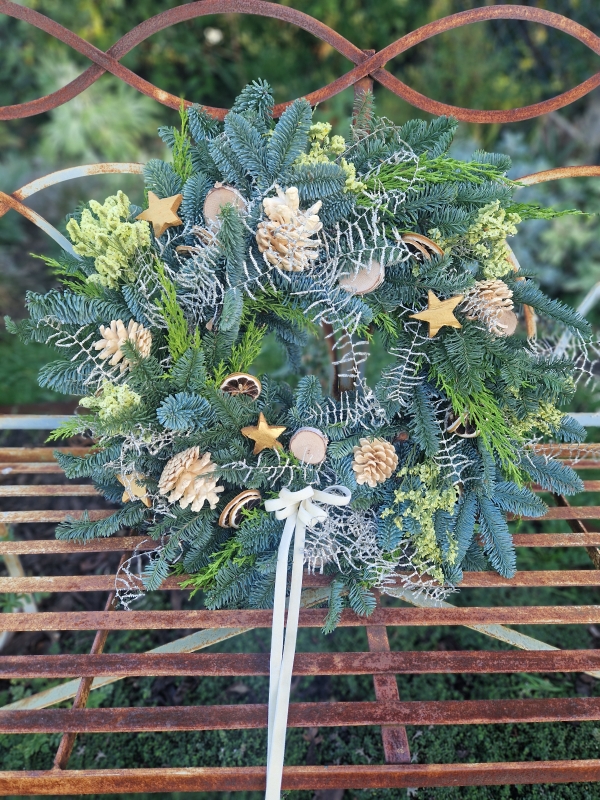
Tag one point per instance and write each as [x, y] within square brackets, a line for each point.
[298, 511]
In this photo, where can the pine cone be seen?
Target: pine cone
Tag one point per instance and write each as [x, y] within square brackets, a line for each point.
[187, 477]
[285, 240]
[116, 335]
[374, 461]
[491, 302]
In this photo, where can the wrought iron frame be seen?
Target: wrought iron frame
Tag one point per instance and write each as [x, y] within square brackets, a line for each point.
[181, 656]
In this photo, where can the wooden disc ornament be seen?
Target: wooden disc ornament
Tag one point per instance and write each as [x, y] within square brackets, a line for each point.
[231, 516]
[309, 445]
[218, 197]
[365, 280]
[461, 426]
[242, 383]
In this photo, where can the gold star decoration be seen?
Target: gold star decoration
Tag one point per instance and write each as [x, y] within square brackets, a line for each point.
[161, 212]
[134, 489]
[439, 313]
[264, 435]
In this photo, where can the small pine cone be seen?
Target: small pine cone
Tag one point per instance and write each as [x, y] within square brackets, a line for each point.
[285, 240]
[186, 477]
[491, 302]
[115, 335]
[374, 461]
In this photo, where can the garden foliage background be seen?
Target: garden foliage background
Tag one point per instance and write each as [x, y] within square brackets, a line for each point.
[488, 65]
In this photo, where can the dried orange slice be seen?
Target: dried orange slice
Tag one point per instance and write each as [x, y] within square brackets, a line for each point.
[242, 383]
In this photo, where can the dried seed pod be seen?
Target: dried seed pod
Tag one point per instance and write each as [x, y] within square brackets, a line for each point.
[220, 196]
[423, 244]
[242, 383]
[309, 445]
[231, 516]
[461, 426]
[366, 280]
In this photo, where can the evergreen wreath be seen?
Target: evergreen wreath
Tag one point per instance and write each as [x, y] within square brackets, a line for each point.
[260, 228]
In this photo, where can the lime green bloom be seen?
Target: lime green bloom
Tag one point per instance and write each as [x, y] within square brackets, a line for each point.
[114, 400]
[109, 239]
[425, 498]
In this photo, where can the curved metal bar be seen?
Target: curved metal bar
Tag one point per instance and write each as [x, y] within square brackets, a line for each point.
[8, 202]
[108, 168]
[13, 201]
[366, 65]
[585, 171]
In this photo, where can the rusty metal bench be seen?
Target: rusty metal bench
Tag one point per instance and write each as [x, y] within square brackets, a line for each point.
[180, 656]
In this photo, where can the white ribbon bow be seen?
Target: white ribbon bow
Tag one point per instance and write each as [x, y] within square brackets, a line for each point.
[299, 511]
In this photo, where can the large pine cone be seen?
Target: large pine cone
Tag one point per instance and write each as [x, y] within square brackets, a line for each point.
[186, 477]
[374, 461]
[286, 239]
[115, 335]
[491, 302]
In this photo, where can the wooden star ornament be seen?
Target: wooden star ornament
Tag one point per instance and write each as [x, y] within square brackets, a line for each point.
[162, 212]
[439, 313]
[264, 435]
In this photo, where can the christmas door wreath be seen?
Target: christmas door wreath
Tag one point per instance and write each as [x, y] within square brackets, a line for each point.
[260, 229]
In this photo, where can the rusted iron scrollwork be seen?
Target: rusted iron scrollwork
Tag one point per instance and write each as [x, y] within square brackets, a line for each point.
[372, 65]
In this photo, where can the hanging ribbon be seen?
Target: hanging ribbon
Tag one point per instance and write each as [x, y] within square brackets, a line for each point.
[299, 510]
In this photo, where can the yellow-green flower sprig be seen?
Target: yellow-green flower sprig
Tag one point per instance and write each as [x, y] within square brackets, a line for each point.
[425, 494]
[109, 239]
[113, 400]
[486, 239]
[323, 148]
[546, 420]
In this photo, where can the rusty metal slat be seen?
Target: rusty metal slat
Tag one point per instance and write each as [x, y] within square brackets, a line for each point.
[17, 468]
[395, 741]
[100, 583]
[117, 544]
[555, 539]
[577, 526]
[65, 747]
[301, 715]
[238, 664]
[49, 490]
[565, 450]
[13, 517]
[364, 776]
[572, 512]
[10, 455]
[114, 544]
[309, 618]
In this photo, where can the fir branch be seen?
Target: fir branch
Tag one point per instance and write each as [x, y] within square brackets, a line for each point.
[527, 293]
